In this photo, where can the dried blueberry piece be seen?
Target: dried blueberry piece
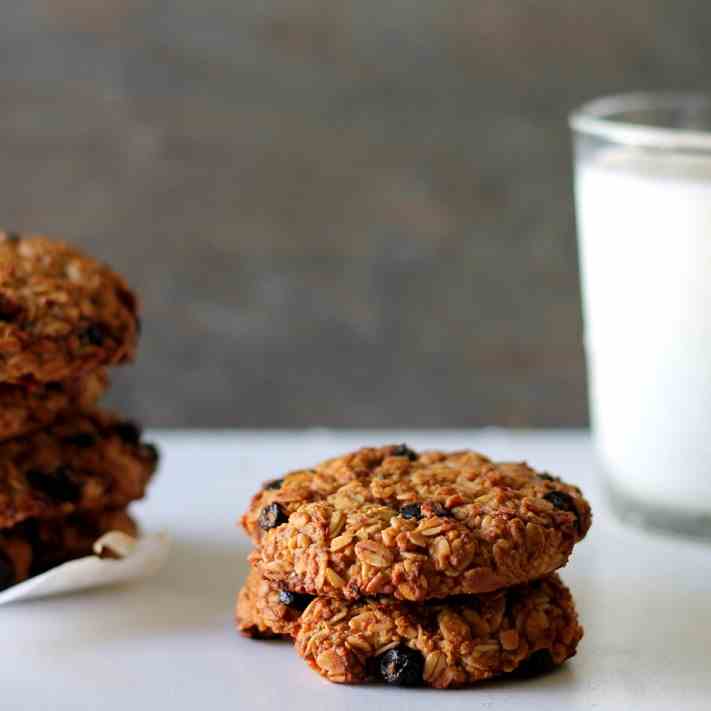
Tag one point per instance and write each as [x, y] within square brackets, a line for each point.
[94, 335]
[540, 662]
[54, 387]
[402, 450]
[511, 599]
[272, 516]
[13, 237]
[128, 432]
[152, 452]
[428, 615]
[402, 666]
[547, 477]
[274, 484]
[9, 309]
[127, 299]
[296, 601]
[7, 572]
[58, 485]
[411, 511]
[83, 440]
[563, 501]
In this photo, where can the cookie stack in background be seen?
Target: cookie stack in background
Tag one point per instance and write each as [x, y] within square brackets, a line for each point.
[68, 470]
[432, 568]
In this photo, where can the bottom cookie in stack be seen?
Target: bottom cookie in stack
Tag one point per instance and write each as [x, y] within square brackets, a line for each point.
[439, 643]
[64, 486]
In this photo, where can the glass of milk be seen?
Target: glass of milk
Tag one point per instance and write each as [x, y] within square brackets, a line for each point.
[643, 203]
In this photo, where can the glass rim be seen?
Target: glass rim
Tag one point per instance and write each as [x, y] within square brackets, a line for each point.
[597, 118]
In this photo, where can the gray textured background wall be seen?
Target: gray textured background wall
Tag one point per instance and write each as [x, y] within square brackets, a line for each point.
[347, 213]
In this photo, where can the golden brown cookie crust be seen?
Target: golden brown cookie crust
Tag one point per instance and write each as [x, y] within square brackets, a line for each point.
[460, 641]
[36, 546]
[25, 409]
[62, 314]
[91, 460]
[415, 526]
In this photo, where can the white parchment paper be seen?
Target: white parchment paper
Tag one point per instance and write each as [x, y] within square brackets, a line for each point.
[132, 559]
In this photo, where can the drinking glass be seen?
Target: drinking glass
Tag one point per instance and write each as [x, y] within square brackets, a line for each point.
[643, 206]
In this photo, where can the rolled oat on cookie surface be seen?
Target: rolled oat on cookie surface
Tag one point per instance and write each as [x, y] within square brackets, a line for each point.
[413, 526]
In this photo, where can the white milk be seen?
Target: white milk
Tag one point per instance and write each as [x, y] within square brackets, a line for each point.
[644, 227]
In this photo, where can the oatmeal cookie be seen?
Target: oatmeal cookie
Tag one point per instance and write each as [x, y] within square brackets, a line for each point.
[62, 314]
[35, 546]
[90, 460]
[415, 526]
[439, 643]
[25, 409]
[444, 643]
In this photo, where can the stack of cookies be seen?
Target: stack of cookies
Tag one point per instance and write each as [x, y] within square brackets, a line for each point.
[415, 568]
[67, 469]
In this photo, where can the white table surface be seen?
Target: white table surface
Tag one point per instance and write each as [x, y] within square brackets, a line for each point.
[169, 643]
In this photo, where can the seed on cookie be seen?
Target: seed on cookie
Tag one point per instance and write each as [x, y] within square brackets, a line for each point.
[271, 516]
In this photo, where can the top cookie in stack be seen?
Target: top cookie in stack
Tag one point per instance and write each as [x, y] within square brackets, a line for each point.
[458, 551]
[62, 314]
[67, 469]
